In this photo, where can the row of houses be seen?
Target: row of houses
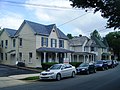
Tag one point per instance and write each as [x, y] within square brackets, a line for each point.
[34, 43]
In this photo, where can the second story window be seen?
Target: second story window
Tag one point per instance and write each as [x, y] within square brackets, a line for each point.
[61, 43]
[44, 42]
[92, 49]
[20, 41]
[53, 43]
[2, 43]
[14, 42]
[6, 43]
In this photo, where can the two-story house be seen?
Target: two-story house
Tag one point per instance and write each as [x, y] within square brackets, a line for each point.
[85, 50]
[8, 49]
[103, 49]
[34, 43]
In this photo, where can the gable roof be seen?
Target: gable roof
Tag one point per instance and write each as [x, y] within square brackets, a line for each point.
[91, 43]
[40, 29]
[10, 32]
[78, 41]
[98, 42]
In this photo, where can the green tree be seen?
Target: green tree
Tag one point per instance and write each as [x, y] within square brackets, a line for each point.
[96, 34]
[113, 39]
[109, 9]
[69, 36]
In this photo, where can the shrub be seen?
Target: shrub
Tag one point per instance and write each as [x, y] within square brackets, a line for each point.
[76, 64]
[47, 65]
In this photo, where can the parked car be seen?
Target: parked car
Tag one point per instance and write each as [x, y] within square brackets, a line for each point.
[115, 62]
[58, 71]
[110, 63]
[101, 64]
[20, 64]
[86, 68]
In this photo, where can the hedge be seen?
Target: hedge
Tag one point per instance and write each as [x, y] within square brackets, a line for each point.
[47, 65]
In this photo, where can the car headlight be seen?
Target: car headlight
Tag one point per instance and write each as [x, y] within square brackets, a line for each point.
[50, 73]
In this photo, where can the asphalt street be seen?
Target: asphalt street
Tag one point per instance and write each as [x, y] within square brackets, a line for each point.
[102, 80]
[8, 71]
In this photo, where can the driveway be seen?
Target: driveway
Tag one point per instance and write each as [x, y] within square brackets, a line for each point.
[8, 71]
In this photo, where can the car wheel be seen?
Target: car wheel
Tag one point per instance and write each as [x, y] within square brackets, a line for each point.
[103, 68]
[73, 74]
[88, 72]
[58, 77]
[94, 70]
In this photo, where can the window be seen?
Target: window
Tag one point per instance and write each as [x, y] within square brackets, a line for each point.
[44, 42]
[61, 43]
[1, 56]
[14, 42]
[20, 56]
[53, 43]
[6, 56]
[92, 49]
[6, 43]
[30, 57]
[20, 41]
[2, 42]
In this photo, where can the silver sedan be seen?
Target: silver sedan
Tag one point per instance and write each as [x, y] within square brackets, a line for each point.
[58, 71]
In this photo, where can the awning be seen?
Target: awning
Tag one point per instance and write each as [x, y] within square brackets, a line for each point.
[83, 53]
[57, 50]
[106, 54]
[12, 52]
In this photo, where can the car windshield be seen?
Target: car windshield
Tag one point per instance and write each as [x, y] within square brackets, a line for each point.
[83, 65]
[99, 62]
[56, 66]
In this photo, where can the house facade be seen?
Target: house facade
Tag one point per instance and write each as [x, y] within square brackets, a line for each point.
[85, 49]
[36, 43]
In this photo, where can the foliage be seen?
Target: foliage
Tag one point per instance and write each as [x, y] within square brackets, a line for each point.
[76, 64]
[109, 9]
[113, 40]
[96, 34]
[69, 36]
[47, 65]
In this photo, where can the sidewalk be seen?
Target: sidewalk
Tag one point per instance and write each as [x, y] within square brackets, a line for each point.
[7, 82]
[18, 77]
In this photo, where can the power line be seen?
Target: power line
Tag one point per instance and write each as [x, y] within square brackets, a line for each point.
[40, 5]
[72, 19]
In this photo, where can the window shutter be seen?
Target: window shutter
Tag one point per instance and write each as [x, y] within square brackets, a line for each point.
[51, 42]
[63, 43]
[46, 42]
[55, 43]
[41, 41]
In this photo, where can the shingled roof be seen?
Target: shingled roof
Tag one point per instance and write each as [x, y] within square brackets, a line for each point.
[45, 30]
[10, 32]
[98, 42]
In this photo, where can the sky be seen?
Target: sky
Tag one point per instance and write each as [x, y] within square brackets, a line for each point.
[59, 12]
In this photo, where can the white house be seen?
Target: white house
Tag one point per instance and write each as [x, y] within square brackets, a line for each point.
[85, 49]
[36, 43]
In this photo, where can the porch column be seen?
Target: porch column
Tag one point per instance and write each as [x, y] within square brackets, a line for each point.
[44, 57]
[84, 58]
[93, 58]
[77, 58]
[70, 57]
[88, 59]
[56, 59]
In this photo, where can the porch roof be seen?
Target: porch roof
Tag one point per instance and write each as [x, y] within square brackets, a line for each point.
[57, 50]
[83, 53]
